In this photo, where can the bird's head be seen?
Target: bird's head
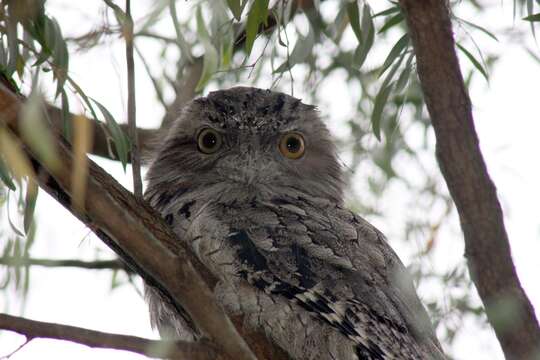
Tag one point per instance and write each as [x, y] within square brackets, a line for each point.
[249, 141]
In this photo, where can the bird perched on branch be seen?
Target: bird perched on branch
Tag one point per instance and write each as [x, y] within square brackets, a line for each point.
[250, 180]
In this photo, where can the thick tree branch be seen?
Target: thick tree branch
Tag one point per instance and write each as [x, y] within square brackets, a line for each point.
[486, 242]
[179, 350]
[54, 263]
[139, 236]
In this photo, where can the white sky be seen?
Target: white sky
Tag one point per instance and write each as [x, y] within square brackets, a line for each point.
[506, 116]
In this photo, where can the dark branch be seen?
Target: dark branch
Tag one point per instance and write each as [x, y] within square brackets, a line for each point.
[179, 350]
[462, 164]
[91, 265]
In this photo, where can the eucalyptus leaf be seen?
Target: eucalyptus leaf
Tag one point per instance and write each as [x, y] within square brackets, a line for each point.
[388, 11]
[474, 61]
[257, 15]
[532, 18]
[354, 19]
[368, 37]
[393, 21]
[302, 49]
[378, 106]
[400, 46]
[120, 139]
[30, 204]
[236, 8]
[478, 27]
[5, 176]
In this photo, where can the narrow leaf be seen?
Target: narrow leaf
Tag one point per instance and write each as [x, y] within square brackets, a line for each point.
[389, 11]
[354, 19]
[380, 101]
[5, 176]
[473, 60]
[478, 27]
[393, 21]
[120, 140]
[236, 8]
[30, 204]
[368, 37]
[403, 78]
[302, 49]
[256, 16]
[532, 18]
[396, 50]
[66, 116]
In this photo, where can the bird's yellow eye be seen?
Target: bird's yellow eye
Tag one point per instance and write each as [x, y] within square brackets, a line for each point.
[209, 141]
[292, 145]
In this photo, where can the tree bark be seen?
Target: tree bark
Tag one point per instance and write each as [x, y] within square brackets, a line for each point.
[486, 242]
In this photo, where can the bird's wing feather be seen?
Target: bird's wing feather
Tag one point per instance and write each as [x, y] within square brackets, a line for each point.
[340, 269]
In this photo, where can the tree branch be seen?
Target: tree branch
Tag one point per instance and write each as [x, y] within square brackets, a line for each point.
[139, 236]
[131, 103]
[486, 242]
[92, 265]
[179, 350]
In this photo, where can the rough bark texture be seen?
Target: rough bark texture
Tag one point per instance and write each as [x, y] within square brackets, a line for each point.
[486, 242]
[178, 350]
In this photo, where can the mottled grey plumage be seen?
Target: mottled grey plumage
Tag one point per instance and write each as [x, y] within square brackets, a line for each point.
[319, 280]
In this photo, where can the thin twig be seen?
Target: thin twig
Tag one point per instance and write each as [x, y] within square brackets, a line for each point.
[132, 123]
[92, 265]
[96, 339]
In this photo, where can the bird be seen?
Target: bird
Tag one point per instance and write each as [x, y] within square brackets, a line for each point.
[249, 179]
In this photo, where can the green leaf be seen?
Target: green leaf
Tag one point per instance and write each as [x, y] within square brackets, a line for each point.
[83, 96]
[368, 37]
[473, 60]
[389, 11]
[5, 176]
[66, 116]
[210, 59]
[400, 46]
[532, 18]
[302, 49]
[380, 101]
[382, 97]
[121, 141]
[478, 27]
[60, 59]
[236, 8]
[256, 16]
[393, 21]
[354, 19]
[403, 78]
[30, 204]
